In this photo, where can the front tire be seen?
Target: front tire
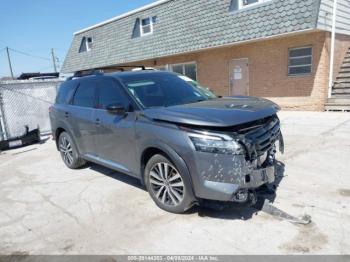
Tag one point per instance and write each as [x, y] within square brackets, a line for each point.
[167, 186]
[69, 152]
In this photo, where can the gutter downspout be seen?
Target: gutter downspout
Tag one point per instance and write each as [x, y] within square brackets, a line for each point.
[331, 62]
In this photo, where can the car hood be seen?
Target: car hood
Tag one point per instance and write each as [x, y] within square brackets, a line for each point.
[220, 112]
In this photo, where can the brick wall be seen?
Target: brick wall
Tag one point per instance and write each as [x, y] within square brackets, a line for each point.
[268, 69]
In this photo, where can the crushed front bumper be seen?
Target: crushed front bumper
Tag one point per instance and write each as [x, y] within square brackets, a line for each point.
[225, 191]
[260, 176]
[223, 177]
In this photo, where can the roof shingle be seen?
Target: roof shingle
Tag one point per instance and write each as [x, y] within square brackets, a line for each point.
[185, 26]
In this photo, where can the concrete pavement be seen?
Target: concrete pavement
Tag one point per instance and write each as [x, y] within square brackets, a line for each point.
[45, 208]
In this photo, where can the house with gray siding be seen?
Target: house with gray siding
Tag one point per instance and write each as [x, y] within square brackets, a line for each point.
[278, 49]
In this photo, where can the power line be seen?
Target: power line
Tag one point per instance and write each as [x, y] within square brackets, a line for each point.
[53, 59]
[30, 55]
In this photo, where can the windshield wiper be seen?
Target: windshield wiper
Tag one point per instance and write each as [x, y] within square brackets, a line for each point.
[196, 101]
[192, 102]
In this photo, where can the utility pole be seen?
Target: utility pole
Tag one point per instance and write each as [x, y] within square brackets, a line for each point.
[9, 60]
[54, 60]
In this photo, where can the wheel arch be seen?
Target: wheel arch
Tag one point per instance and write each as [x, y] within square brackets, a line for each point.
[165, 150]
[58, 132]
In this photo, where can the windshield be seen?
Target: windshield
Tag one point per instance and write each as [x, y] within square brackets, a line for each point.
[204, 90]
[162, 90]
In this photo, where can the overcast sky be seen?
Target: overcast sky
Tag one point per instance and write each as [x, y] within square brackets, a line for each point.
[36, 26]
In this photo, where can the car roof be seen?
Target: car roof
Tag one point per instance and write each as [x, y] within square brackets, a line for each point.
[138, 73]
[120, 75]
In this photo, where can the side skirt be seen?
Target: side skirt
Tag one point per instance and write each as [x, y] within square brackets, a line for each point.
[108, 163]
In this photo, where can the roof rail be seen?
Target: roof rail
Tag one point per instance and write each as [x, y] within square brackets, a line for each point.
[100, 71]
[121, 68]
[86, 73]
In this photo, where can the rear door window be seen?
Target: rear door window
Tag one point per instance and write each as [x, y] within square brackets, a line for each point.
[65, 92]
[110, 93]
[85, 96]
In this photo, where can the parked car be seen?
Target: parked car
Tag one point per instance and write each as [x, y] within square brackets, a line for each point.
[183, 144]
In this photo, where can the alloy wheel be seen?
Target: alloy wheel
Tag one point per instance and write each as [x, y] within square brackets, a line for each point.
[66, 150]
[167, 184]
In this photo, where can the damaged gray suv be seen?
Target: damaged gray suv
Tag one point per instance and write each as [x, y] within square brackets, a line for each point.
[185, 144]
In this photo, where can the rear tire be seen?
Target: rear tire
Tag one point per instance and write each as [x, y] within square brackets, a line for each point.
[69, 152]
[167, 186]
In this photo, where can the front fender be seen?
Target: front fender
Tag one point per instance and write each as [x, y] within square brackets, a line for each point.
[175, 158]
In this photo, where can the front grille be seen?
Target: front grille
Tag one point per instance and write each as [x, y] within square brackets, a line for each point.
[261, 137]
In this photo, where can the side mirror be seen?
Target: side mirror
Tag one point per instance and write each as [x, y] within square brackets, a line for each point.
[116, 109]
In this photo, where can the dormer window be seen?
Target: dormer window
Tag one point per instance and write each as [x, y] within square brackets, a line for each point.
[146, 25]
[241, 4]
[86, 44]
[248, 3]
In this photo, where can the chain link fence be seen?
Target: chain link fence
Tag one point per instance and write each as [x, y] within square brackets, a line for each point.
[25, 103]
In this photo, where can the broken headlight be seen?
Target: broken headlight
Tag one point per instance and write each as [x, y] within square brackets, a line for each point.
[216, 145]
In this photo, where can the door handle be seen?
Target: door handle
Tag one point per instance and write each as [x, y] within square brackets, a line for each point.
[97, 121]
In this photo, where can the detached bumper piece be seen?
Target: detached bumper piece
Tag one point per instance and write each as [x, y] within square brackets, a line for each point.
[28, 138]
[261, 176]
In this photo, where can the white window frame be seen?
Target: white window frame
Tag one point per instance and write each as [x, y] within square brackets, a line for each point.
[241, 6]
[151, 26]
[183, 67]
[88, 48]
[302, 65]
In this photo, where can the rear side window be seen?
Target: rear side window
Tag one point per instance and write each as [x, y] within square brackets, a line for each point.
[65, 92]
[85, 94]
[109, 93]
